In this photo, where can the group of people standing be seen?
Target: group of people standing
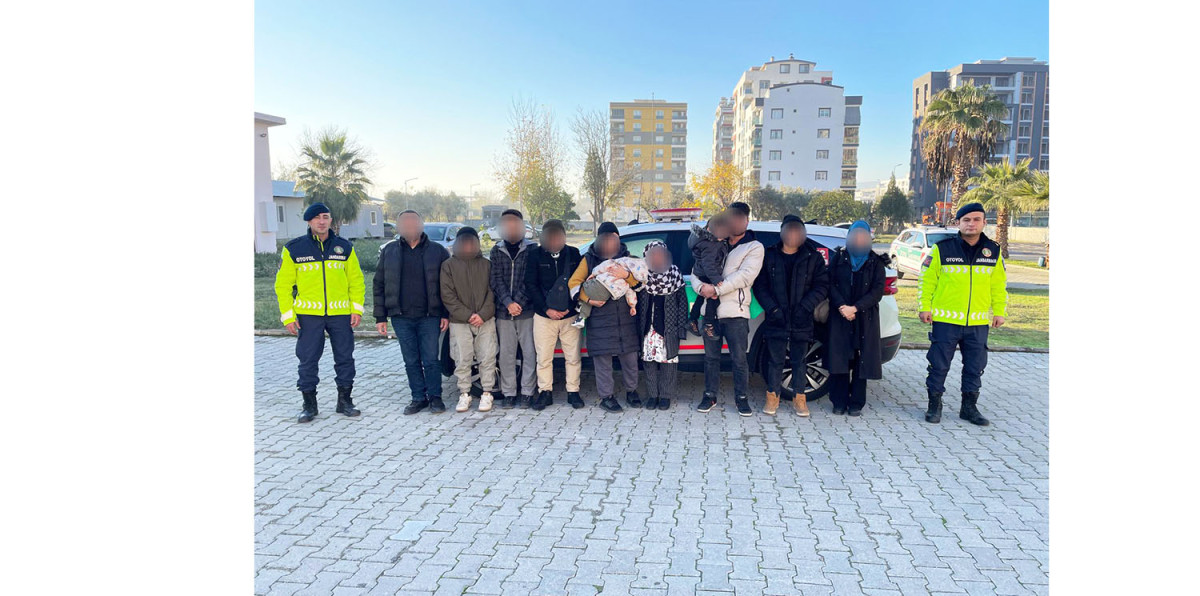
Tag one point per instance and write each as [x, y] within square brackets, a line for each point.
[536, 299]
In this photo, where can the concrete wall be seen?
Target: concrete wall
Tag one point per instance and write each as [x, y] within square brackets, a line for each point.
[1021, 234]
[264, 216]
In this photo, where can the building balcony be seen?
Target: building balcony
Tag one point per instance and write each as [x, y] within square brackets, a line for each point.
[850, 162]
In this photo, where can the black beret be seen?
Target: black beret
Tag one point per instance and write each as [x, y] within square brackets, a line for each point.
[554, 224]
[968, 208]
[314, 210]
[607, 227]
[740, 207]
[512, 212]
[790, 219]
[467, 231]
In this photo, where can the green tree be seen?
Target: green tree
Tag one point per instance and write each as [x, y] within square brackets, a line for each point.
[958, 133]
[767, 203]
[833, 207]
[894, 206]
[333, 171]
[996, 189]
[1034, 195]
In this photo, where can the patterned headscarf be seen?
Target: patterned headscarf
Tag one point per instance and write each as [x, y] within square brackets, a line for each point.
[661, 283]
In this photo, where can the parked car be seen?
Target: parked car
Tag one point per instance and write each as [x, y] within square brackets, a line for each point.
[691, 350]
[389, 229]
[910, 248]
[493, 233]
[438, 231]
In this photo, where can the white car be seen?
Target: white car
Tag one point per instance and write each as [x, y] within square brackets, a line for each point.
[493, 233]
[910, 248]
[691, 350]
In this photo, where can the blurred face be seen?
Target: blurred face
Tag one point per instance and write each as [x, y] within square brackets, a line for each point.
[320, 224]
[411, 226]
[553, 240]
[658, 259]
[971, 224]
[512, 228]
[793, 236]
[466, 246]
[859, 239]
[607, 245]
[738, 223]
[720, 229]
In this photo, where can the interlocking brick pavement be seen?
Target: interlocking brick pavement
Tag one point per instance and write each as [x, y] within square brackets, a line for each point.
[570, 501]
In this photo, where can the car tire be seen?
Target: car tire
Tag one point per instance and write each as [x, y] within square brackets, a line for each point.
[896, 264]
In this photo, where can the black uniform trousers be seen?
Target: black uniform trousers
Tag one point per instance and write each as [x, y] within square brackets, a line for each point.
[944, 339]
[847, 390]
[311, 344]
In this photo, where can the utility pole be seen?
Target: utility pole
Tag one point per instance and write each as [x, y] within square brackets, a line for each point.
[406, 197]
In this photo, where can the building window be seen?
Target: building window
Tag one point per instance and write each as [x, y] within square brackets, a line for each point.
[850, 156]
[658, 127]
[1024, 130]
[679, 114]
[848, 177]
[1028, 79]
[824, 112]
[1027, 96]
[658, 114]
[1046, 113]
[676, 140]
[637, 138]
[1044, 163]
[637, 152]
[1027, 112]
[637, 113]
[776, 113]
[1045, 129]
[1023, 147]
[776, 133]
[658, 176]
[618, 128]
[637, 126]
[279, 211]
[658, 153]
[658, 165]
[658, 138]
[775, 155]
[764, 84]
[746, 89]
[785, 68]
[618, 113]
[802, 68]
[374, 217]
[678, 127]
[658, 190]
[851, 135]
[822, 154]
[822, 133]
[1045, 145]
[773, 175]
[822, 175]
[1004, 81]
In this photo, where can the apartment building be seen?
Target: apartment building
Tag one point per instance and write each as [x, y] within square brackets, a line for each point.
[649, 141]
[1024, 86]
[792, 127]
[722, 150]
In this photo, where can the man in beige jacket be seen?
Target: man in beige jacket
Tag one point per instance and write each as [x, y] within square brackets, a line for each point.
[468, 299]
[733, 315]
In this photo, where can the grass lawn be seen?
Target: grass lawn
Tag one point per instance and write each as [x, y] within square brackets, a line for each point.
[266, 308]
[1023, 263]
[884, 238]
[1027, 325]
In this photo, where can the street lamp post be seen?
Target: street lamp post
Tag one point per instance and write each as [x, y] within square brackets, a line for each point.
[406, 197]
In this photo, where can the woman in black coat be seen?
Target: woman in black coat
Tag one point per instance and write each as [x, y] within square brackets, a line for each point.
[854, 354]
[662, 322]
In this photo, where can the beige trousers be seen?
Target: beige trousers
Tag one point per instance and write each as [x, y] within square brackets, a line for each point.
[469, 344]
[547, 333]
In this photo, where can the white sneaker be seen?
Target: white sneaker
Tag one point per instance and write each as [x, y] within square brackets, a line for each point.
[485, 402]
[464, 403]
[579, 322]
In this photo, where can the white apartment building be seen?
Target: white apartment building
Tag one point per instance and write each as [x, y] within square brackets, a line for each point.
[793, 127]
[722, 150]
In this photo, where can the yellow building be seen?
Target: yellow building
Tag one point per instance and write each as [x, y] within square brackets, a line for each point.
[649, 143]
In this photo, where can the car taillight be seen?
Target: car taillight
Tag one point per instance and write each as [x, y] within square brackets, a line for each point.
[890, 286]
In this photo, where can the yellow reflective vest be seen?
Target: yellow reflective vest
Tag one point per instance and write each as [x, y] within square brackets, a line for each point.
[319, 278]
[956, 289]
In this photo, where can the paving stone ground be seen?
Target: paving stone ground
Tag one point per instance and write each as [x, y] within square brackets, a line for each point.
[645, 502]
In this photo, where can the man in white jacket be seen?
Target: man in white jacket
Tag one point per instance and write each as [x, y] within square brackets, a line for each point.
[733, 315]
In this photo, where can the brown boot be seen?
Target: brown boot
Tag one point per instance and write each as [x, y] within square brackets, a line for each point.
[801, 404]
[772, 404]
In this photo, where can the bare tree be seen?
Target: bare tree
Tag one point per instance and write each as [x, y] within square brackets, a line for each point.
[601, 186]
[529, 168]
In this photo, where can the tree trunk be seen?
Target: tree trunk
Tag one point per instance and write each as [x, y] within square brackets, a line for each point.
[1002, 230]
[958, 187]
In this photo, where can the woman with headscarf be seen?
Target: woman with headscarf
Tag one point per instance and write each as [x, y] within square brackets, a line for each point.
[857, 277]
[662, 322]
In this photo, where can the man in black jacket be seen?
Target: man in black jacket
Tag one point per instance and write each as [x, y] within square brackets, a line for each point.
[514, 318]
[548, 268]
[793, 281]
[407, 289]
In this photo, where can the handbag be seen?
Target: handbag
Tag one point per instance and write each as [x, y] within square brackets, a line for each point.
[821, 312]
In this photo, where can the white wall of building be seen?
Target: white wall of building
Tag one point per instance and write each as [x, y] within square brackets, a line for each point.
[264, 207]
[798, 163]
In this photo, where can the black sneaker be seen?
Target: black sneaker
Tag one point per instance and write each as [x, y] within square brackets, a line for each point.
[855, 412]
[574, 399]
[743, 405]
[610, 404]
[524, 401]
[539, 402]
[664, 403]
[506, 402]
[651, 403]
[839, 410]
[706, 403]
[416, 406]
[436, 405]
[633, 400]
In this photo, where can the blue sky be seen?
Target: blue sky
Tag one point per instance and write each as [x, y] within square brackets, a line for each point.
[427, 85]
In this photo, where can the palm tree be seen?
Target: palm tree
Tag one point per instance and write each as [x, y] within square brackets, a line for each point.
[334, 172]
[1034, 195]
[959, 131]
[995, 189]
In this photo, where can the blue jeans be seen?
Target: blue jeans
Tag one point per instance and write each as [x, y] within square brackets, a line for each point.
[736, 332]
[418, 339]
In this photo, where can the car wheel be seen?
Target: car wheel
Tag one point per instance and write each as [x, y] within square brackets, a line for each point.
[818, 375]
[896, 264]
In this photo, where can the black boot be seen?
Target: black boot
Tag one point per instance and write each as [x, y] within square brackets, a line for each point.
[345, 405]
[574, 399]
[934, 413]
[969, 412]
[524, 401]
[416, 406]
[310, 407]
[539, 402]
[664, 403]
[436, 405]
[610, 404]
[507, 403]
[651, 403]
[631, 398]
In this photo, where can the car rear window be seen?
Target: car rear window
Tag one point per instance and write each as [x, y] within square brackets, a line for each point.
[935, 238]
[436, 232]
